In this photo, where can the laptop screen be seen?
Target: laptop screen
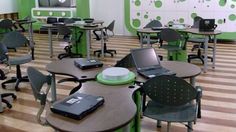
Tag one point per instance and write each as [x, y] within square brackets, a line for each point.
[145, 58]
[207, 25]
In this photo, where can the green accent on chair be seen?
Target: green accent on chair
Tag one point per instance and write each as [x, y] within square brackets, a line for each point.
[180, 55]
[81, 46]
[130, 79]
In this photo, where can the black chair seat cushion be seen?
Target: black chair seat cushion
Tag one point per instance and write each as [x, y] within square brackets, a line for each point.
[20, 60]
[183, 113]
[171, 47]
[152, 41]
[196, 40]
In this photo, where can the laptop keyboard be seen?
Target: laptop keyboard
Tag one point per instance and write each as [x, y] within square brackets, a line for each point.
[158, 71]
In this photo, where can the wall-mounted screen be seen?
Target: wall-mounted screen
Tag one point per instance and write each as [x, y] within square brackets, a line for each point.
[57, 3]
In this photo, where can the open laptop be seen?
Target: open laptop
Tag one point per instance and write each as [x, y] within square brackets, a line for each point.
[148, 64]
[77, 105]
[207, 25]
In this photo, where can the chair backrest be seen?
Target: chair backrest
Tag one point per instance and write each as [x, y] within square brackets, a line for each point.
[110, 27]
[126, 62]
[6, 24]
[3, 53]
[63, 30]
[37, 80]
[76, 18]
[62, 19]
[14, 39]
[69, 21]
[169, 90]
[153, 23]
[196, 22]
[170, 35]
[51, 20]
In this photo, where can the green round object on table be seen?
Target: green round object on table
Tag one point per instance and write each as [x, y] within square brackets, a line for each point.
[131, 78]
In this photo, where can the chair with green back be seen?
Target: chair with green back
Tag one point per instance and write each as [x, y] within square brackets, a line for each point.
[173, 42]
[172, 100]
[37, 81]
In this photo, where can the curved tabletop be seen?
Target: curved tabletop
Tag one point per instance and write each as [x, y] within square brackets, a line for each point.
[67, 67]
[196, 31]
[182, 69]
[147, 30]
[117, 111]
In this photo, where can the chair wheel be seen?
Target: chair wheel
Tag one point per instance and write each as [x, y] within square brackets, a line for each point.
[3, 86]
[9, 105]
[17, 88]
[14, 96]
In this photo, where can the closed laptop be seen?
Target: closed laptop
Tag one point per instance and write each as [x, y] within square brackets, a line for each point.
[77, 105]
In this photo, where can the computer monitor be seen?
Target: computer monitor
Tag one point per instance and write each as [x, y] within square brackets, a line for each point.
[207, 25]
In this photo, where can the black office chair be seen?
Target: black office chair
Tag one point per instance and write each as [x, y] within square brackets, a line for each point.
[37, 80]
[3, 95]
[172, 100]
[49, 20]
[126, 62]
[174, 42]
[153, 39]
[67, 33]
[200, 40]
[106, 36]
[3, 58]
[16, 40]
[76, 19]
[6, 25]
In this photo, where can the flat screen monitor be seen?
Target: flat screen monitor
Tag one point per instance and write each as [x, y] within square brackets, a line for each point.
[207, 25]
[57, 3]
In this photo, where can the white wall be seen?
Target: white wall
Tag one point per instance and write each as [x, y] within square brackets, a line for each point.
[109, 10]
[8, 6]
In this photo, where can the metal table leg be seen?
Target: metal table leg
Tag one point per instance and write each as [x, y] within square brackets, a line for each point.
[53, 88]
[50, 42]
[205, 53]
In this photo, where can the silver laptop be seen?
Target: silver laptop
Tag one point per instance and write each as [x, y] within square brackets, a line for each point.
[148, 63]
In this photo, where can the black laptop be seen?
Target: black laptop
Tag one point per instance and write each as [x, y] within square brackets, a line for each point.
[84, 63]
[77, 105]
[148, 64]
[207, 25]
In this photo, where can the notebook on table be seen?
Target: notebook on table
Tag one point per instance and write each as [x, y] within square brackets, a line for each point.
[77, 105]
[207, 25]
[148, 64]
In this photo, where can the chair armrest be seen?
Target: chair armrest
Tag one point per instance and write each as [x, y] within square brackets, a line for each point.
[199, 93]
[198, 101]
[138, 34]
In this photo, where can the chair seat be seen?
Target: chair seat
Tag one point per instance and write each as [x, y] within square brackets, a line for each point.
[183, 113]
[152, 41]
[171, 47]
[196, 40]
[20, 60]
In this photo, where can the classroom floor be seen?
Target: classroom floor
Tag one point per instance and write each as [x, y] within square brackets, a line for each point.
[219, 88]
